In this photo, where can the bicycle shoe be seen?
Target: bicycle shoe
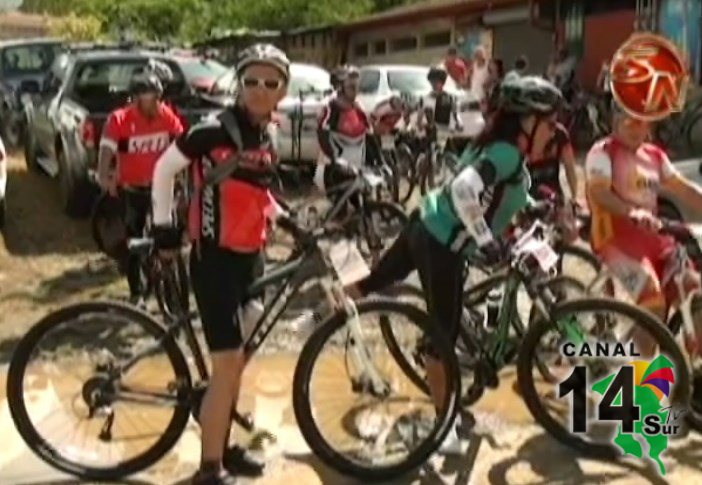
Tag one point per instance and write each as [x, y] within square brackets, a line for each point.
[238, 461]
[211, 477]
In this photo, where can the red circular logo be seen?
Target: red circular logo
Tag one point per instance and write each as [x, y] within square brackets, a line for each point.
[649, 77]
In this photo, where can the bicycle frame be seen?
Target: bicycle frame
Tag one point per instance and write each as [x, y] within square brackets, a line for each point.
[291, 277]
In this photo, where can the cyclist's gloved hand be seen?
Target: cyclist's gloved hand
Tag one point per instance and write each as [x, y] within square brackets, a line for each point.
[645, 219]
[167, 239]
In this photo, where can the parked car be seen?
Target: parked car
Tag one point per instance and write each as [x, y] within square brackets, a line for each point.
[22, 62]
[379, 82]
[65, 118]
[200, 72]
[296, 114]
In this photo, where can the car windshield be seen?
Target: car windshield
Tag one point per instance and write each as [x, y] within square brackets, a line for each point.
[112, 77]
[196, 68]
[28, 59]
[308, 79]
[414, 81]
[225, 83]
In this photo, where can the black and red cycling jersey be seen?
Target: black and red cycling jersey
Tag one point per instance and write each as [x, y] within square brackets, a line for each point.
[545, 166]
[232, 213]
[342, 131]
[385, 117]
[139, 141]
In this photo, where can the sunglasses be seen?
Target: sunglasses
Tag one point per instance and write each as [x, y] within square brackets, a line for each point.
[270, 84]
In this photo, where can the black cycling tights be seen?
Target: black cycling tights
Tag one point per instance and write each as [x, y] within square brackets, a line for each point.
[441, 273]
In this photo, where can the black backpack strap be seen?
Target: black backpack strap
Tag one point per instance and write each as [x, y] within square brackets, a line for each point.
[222, 171]
[231, 126]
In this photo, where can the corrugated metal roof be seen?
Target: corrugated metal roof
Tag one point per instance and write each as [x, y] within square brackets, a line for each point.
[20, 19]
[427, 8]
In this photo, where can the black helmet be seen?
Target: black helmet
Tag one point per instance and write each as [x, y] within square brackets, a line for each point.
[529, 94]
[152, 78]
[267, 54]
[437, 74]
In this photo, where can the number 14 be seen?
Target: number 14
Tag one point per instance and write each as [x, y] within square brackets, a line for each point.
[627, 413]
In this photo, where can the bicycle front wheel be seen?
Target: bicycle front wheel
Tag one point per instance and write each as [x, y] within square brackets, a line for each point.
[83, 390]
[584, 322]
[389, 427]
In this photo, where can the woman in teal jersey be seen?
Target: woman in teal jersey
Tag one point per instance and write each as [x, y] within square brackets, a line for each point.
[467, 213]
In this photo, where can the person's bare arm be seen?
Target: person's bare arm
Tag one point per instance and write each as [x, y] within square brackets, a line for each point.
[598, 175]
[568, 160]
[689, 192]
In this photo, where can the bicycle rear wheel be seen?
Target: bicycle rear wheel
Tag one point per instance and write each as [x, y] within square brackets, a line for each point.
[409, 437]
[108, 400]
[405, 172]
[569, 318]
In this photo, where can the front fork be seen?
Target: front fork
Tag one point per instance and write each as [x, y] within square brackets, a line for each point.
[369, 378]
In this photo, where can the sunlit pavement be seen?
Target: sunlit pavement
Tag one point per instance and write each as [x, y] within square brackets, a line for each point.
[504, 448]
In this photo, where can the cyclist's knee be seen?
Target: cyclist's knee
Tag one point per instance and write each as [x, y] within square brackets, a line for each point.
[228, 364]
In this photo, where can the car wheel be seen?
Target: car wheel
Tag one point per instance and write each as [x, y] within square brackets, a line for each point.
[11, 131]
[31, 156]
[77, 193]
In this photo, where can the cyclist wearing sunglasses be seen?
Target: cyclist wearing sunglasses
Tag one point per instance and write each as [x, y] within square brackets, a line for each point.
[468, 214]
[133, 139]
[228, 222]
[624, 177]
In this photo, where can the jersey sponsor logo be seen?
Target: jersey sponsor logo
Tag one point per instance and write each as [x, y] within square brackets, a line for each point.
[208, 205]
[153, 143]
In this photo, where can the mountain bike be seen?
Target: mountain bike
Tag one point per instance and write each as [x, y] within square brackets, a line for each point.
[112, 344]
[559, 315]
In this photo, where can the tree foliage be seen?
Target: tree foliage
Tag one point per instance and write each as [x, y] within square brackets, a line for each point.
[76, 28]
[195, 19]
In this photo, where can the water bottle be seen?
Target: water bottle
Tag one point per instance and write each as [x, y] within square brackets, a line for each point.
[493, 304]
[249, 316]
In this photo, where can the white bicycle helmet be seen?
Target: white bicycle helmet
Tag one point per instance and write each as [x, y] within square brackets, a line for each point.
[267, 54]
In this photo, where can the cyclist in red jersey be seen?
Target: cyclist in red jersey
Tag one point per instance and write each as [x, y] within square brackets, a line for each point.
[624, 175]
[228, 223]
[133, 139]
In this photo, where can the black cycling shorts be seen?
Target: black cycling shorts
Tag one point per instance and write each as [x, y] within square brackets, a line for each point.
[220, 278]
[441, 273]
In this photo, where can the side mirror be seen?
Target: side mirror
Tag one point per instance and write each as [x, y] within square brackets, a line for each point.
[29, 87]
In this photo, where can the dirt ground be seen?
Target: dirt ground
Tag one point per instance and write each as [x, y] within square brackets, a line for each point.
[46, 258]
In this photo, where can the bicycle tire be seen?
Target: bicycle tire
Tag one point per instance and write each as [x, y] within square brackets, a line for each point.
[423, 169]
[393, 346]
[383, 208]
[585, 255]
[405, 161]
[305, 415]
[173, 290]
[693, 418]
[46, 452]
[528, 353]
